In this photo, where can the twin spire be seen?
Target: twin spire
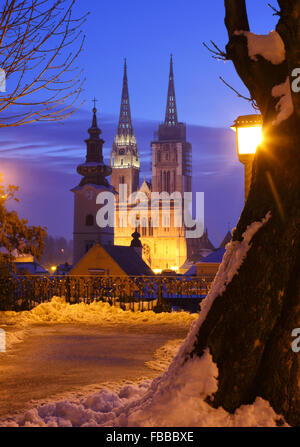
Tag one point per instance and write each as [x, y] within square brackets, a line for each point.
[171, 109]
[125, 127]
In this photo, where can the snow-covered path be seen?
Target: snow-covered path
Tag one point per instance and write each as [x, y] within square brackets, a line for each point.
[64, 359]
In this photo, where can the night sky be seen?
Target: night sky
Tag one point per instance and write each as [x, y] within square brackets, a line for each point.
[42, 158]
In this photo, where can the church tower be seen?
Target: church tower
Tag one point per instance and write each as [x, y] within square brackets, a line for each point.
[171, 153]
[94, 173]
[171, 173]
[125, 159]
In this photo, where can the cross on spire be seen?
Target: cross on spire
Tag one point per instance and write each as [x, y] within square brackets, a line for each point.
[171, 109]
[95, 102]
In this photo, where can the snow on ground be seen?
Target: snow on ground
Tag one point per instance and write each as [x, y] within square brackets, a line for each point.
[181, 404]
[270, 46]
[164, 355]
[178, 396]
[99, 313]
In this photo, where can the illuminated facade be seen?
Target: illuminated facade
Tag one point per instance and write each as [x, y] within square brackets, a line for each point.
[165, 245]
[125, 159]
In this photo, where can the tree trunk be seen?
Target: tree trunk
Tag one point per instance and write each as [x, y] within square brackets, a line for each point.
[249, 327]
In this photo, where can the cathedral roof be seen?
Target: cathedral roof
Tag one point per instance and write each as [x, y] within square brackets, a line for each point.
[226, 239]
[205, 243]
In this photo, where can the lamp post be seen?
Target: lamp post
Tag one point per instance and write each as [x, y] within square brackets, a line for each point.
[249, 135]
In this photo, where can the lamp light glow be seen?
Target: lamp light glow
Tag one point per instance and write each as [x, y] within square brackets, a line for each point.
[249, 138]
[249, 133]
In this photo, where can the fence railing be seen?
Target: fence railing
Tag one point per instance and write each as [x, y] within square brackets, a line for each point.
[135, 293]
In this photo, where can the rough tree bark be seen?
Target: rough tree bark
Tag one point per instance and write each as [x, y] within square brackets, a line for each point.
[248, 328]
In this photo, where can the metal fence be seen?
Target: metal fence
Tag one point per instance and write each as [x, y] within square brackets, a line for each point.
[134, 293]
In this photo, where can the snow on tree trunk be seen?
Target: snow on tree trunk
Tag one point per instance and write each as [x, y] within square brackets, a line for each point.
[248, 328]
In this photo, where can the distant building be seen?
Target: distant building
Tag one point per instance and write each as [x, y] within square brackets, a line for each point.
[28, 265]
[200, 248]
[207, 266]
[111, 260]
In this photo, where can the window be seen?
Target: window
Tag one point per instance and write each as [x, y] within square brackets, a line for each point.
[89, 220]
[88, 245]
[144, 228]
[150, 227]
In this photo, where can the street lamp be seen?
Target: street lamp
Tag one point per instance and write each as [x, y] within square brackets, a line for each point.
[249, 136]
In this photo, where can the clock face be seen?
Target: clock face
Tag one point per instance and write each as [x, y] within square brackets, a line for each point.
[89, 194]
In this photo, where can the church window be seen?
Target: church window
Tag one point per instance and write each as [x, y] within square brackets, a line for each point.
[158, 156]
[144, 227]
[121, 161]
[168, 182]
[150, 227]
[89, 220]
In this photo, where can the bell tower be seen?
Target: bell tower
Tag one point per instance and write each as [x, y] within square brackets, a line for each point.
[171, 153]
[125, 159]
[94, 172]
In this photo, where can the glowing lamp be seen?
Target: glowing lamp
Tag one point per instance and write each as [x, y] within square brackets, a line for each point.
[53, 268]
[157, 271]
[249, 136]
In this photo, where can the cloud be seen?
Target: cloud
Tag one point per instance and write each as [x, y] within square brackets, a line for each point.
[42, 159]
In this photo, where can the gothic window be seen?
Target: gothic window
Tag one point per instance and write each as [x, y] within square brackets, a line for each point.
[122, 180]
[150, 227]
[89, 220]
[144, 227]
[158, 156]
[121, 161]
[167, 156]
[168, 182]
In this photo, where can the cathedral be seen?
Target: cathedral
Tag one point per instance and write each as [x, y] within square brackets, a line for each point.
[165, 245]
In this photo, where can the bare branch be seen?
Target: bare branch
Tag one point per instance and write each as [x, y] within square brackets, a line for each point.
[34, 37]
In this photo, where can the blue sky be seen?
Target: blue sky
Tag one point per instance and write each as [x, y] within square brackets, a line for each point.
[42, 158]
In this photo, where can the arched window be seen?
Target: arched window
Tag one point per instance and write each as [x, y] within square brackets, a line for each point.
[150, 223]
[144, 227]
[168, 182]
[89, 220]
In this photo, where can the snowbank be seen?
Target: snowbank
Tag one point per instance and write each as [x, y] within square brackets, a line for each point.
[99, 313]
[175, 398]
[182, 404]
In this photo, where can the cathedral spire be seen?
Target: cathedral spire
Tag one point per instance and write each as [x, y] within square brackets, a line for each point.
[125, 127]
[171, 109]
